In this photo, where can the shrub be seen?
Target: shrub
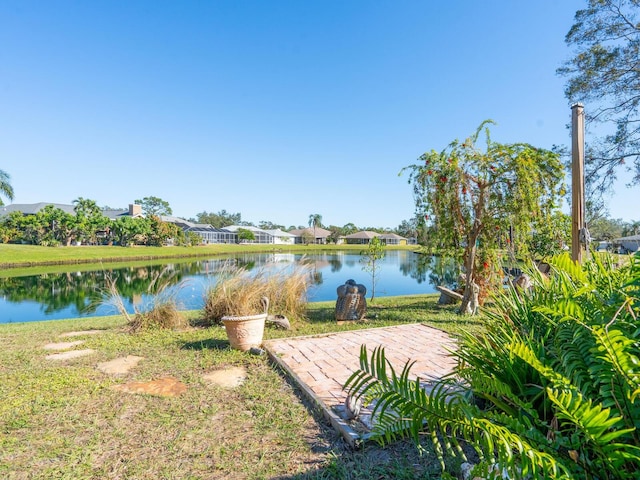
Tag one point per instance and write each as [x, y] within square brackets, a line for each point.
[551, 390]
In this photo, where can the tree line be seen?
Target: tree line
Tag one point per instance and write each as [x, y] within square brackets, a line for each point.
[88, 225]
[52, 226]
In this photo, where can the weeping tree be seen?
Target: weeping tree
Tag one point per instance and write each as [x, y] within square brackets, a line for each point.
[474, 200]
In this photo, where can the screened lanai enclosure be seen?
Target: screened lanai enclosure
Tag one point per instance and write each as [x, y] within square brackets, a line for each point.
[211, 234]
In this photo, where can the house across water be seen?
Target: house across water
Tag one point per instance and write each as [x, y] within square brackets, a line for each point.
[627, 244]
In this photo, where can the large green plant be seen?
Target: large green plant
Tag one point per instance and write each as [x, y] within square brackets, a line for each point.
[161, 232]
[552, 389]
[127, 230]
[89, 220]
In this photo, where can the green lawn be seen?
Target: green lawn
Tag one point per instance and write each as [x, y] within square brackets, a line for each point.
[63, 420]
[12, 256]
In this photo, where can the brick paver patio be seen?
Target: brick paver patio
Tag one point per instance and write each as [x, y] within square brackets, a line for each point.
[322, 364]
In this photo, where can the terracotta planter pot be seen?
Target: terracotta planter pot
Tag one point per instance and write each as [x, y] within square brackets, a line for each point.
[245, 332]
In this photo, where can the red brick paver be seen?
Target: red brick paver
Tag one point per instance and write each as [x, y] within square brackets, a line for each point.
[322, 364]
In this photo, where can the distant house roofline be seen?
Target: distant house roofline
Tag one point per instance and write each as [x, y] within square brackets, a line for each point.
[319, 232]
[629, 238]
[34, 208]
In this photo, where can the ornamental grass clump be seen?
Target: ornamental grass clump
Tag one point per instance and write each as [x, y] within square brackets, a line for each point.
[161, 313]
[238, 292]
[287, 291]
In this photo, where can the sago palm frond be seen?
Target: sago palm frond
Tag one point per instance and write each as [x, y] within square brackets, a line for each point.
[402, 406]
[594, 421]
[603, 446]
[574, 355]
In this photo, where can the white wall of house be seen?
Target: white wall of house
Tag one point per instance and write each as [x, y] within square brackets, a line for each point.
[283, 240]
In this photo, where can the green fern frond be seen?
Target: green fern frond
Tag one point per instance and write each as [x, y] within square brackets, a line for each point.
[573, 346]
[614, 347]
[592, 419]
[524, 352]
[563, 310]
[504, 444]
[404, 408]
[564, 263]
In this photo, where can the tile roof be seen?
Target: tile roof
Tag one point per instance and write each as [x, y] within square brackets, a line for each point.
[33, 208]
[631, 238]
[364, 234]
[114, 214]
[320, 232]
[392, 235]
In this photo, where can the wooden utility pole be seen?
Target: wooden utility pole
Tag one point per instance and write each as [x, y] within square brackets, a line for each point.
[577, 180]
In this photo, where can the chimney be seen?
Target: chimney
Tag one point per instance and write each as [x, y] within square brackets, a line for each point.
[135, 209]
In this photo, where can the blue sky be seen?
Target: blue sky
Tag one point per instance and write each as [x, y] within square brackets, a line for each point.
[273, 109]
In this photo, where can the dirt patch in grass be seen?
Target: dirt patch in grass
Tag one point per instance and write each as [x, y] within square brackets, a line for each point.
[162, 387]
[81, 333]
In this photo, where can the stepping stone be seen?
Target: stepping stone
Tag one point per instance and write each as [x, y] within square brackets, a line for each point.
[119, 366]
[163, 387]
[81, 333]
[62, 345]
[69, 355]
[227, 378]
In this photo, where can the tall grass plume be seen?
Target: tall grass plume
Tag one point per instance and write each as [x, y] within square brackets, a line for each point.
[161, 313]
[239, 292]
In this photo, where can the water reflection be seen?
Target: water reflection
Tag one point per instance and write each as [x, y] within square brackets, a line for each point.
[435, 270]
[72, 294]
[444, 271]
[85, 290]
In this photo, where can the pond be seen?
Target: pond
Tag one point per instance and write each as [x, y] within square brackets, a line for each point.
[72, 294]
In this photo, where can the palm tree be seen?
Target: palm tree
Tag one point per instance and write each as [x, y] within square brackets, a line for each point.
[5, 187]
[349, 228]
[315, 220]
